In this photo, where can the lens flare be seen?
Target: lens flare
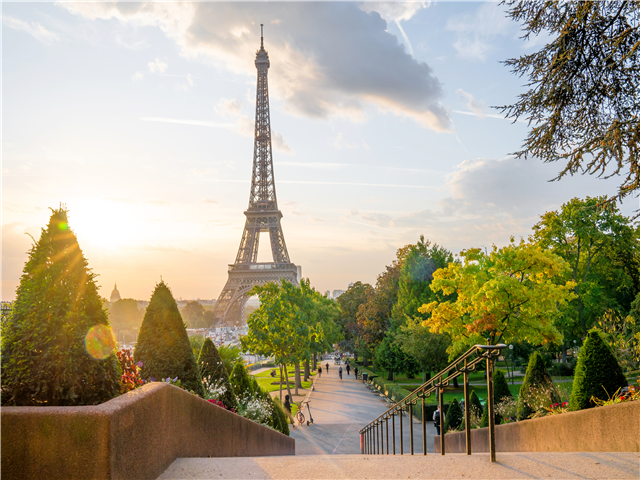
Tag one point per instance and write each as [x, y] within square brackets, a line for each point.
[100, 342]
[63, 226]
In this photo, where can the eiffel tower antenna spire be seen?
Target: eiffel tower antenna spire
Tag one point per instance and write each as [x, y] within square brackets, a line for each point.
[262, 215]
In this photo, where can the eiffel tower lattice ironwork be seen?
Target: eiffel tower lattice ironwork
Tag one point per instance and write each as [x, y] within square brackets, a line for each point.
[262, 215]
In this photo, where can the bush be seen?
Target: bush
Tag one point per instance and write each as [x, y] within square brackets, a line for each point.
[475, 412]
[453, 416]
[57, 346]
[562, 369]
[241, 381]
[282, 416]
[537, 390]
[598, 373]
[212, 369]
[163, 344]
[501, 393]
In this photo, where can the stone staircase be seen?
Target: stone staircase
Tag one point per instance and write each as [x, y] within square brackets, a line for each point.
[432, 466]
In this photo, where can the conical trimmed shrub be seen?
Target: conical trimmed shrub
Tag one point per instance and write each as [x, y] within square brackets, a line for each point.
[163, 344]
[453, 417]
[283, 424]
[241, 381]
[500, 393]
[475, 402]
[212, 368]
[598, 373]
[537, 390]
[57, 346]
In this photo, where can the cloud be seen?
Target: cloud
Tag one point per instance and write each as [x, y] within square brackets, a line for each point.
[341, 143]
[476, 106]
[279, 143]
[316, 75]
[137, 76]
[157, 66]
[190, 80]
[476, 32]
[228, 107]
[200, 123]
[34, 29]
[209, 201]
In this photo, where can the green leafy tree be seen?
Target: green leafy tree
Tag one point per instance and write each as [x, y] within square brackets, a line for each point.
[428, 349]
[454, 416]
[507, 293]
[196, 342]
[349, 303]
[230, 355]
[163, 344]
[241, 381]
[501, 393]
[393, 359]
[602, 251]
[212, 369]
[57, 346]
[582, 101]
[598, 373]
[125, 315]
[194, 314]
[537, 391]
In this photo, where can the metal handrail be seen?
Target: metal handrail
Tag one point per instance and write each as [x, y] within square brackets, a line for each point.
[373, 442]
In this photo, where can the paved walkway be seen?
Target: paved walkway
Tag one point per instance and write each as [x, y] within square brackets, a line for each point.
[340, 408]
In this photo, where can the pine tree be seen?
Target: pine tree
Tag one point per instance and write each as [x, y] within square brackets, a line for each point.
[163, 344]
[537, 390]
[240, 381]
[57, 346]
[476, 408]
[453, 417]
[598, 373]
[212, 369]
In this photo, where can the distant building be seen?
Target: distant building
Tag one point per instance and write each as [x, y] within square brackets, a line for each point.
[337, 293]
[350, 285]
[115, 295]
[327, 294]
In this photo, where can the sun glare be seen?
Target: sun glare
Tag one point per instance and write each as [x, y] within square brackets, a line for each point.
[107, 224]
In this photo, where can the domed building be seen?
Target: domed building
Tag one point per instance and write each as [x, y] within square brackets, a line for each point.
[115, 295]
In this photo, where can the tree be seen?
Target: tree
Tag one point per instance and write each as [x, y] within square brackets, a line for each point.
[393, 359]
[125, 315]
[230, 355]
[194, 314]
[507, 293]
[583, 98]
[57, 346]
[241, 381]
[501, 393]
[349, 303]
[598, 373]
[537, 390]
[428, 349]
[454, 416]
[278, 411]
[212, 369]
[163, 344]
[602, 250]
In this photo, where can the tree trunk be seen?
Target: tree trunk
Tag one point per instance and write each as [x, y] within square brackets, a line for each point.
[297, 377]
[390, 375]
[307, 372]
[286, 378]
[564, 353]
[315, 361]
[280, 383]
[365, 362]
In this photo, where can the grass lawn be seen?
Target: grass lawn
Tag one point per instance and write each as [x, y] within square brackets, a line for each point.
[265, 379]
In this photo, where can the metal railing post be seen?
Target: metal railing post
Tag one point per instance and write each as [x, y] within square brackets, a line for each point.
[424, 428]
[401, 437]
[377, 438]
[411, 425]
[441, 407]
[381, 438]
[492, 418]
[467, 413]
[386, 424]
[393, 425]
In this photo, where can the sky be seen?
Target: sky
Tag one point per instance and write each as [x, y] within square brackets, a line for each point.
[139, 118]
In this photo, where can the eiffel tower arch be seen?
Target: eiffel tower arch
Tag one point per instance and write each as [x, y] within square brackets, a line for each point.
[262, 215]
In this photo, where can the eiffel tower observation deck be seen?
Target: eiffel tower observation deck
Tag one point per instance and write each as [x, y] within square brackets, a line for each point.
[262, 215]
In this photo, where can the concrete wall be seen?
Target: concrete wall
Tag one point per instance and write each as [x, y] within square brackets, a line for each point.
[614, 428]
[134, 436]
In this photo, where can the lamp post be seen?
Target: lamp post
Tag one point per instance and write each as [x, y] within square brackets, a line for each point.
[512, 363]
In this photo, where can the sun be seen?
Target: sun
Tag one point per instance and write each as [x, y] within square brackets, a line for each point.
[107, 224]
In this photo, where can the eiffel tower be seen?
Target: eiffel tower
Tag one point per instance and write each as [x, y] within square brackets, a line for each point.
[262, 215]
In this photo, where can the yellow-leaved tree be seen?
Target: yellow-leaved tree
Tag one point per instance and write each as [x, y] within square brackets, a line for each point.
[514, 292]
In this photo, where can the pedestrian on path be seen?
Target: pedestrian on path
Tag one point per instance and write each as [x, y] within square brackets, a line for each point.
[327, 365]
[320, 371]
[355, 372]
[340, 373]
[436, 420]
[287, 410]
[348, 368]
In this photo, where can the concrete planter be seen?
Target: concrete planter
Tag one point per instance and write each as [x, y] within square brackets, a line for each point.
[134, 436]
[614, 428]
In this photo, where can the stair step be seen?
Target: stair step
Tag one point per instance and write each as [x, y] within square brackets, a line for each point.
[589, 465]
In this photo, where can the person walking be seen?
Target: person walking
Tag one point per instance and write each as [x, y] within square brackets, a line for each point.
[355, 372]
[436, 420]
[287, 410]
[348, 368]
[320, 371]
[327, 365]
[340, 372]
